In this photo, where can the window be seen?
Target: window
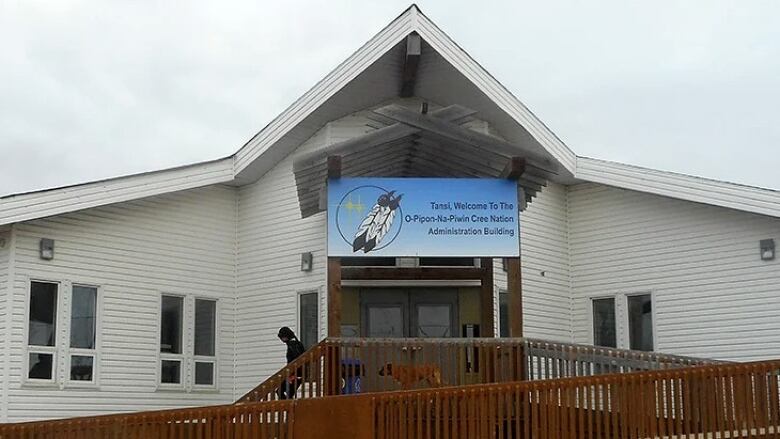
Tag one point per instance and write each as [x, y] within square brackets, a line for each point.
[640, 322]
[171, 324]
[62, 335]
[42, 330]
[188, 343]
[503, 313]
[309, 318]
[604, 333]
[205, 341]
[83, 329]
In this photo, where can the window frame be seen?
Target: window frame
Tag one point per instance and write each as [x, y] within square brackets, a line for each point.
[69, 351]
[205, 358]
[298, 316]
[626, 318]
[166, 356]
[501, 323]
[592, 322]
[50, 350]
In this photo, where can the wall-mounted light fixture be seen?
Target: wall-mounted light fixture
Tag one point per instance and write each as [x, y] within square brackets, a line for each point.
[306, 261]
[47, 249]
[767, 249]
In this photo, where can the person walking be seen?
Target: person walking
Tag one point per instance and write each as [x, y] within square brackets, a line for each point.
[295, 349]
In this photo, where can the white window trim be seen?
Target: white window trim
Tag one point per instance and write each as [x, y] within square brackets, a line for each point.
[626, 336]
[53, 350]
[202, 358]
[165, 356]
[298, 326]
[68, 351]
[591, 331]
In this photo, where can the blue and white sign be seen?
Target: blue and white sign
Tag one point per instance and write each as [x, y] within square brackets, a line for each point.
[422, 217]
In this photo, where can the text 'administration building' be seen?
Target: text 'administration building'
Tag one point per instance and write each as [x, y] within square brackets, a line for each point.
[166, 289]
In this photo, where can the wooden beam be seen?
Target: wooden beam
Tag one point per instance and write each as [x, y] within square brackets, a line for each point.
[334, 166]
[458, 133]
[514, 168]
[486, 299]
[334, 297]
[412, 273]
[515, 291]
[412, 60]
[375, 138]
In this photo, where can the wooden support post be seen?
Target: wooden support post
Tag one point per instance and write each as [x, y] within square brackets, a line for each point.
[333, 364]
[334, 297]
[515, 291]
[334, 166]
[334, 267]
[486, 299]
[514, 168]
[411, 61]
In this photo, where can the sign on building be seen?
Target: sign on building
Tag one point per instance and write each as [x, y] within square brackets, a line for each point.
[422, 217]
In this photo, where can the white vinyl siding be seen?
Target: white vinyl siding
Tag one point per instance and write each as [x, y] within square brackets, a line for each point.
[271, 237]
[545, 266]
[179, 243]
[712, 295]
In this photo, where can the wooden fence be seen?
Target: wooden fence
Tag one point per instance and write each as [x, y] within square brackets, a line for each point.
[711, 401]
[403, 364]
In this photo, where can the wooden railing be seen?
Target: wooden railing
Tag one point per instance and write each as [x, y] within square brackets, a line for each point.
[383, 365]
[712, 401]
[725, 401]
[263, 420]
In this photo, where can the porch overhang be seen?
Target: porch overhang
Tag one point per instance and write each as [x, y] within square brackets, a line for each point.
[407, 143]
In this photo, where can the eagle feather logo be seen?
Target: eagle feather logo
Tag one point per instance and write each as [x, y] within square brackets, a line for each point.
[377, 223]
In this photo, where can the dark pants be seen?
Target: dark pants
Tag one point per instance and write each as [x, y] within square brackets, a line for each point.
[287, 389]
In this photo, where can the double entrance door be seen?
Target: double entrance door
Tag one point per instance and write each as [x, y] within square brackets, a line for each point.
[409, 312]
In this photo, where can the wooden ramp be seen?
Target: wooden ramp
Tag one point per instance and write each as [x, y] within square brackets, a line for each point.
[701, 401]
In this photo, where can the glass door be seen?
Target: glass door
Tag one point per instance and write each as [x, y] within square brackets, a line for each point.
[384, 313]
[433, 313]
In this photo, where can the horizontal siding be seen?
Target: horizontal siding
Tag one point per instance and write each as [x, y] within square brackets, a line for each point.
[545, 266]
[180, 243]
[713, 295]
[271, 237]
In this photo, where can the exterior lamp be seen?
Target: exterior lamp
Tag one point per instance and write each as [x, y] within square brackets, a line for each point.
[306, 261]
[767, 249]
[47, 249]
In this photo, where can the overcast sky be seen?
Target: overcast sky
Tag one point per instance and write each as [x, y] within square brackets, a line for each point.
[94, 89]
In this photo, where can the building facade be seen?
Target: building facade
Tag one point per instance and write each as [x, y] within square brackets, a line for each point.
[166, 289]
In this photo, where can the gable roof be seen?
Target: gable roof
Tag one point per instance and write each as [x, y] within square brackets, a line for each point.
[368, 77]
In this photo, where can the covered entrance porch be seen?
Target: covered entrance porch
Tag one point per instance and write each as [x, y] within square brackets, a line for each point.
[398, 299]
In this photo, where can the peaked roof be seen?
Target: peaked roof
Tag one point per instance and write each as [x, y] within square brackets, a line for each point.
[367, 78]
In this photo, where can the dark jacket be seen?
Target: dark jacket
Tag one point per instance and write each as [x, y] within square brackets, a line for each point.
[294, 349]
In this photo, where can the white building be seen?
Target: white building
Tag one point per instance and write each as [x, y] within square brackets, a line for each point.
[166, 289]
